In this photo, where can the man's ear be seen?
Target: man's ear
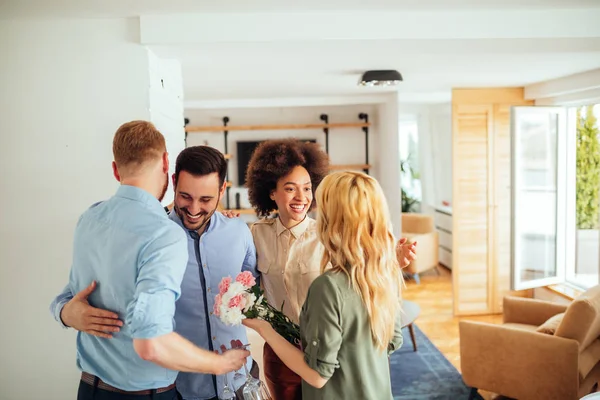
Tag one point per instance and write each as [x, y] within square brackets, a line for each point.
[165, 160]
[222, 191]
[272, 195]
[174, 180]
[116, 171]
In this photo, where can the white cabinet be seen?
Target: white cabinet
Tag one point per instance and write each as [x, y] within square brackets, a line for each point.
[443, 224]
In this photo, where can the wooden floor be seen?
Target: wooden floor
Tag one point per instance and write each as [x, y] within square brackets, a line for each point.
[434, 296]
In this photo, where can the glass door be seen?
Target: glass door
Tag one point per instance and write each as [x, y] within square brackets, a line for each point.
[538, 139]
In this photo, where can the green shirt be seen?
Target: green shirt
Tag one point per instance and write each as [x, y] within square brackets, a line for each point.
[337, 342]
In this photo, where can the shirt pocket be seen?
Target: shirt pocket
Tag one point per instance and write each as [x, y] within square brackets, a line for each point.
[263, 265]
[312, 267]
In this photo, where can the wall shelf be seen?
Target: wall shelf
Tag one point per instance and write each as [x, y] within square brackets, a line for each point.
[244, 210]
[219, 129]
[325, 126]
[338, 167]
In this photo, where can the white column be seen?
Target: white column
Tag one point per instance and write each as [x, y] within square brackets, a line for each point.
[67, 85]
[387, 163]
[166, 108]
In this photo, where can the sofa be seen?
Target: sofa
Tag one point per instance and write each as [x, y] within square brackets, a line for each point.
[542, 350]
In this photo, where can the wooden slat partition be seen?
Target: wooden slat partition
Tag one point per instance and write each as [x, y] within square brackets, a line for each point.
[481, 198]
[191, 129]
[470, 208]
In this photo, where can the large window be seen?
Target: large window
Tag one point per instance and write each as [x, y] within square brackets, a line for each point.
[410, 177]
[555, 192]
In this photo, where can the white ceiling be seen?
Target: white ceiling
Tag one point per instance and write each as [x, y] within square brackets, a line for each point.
[332, 68]
[304, 54]
[130, 8]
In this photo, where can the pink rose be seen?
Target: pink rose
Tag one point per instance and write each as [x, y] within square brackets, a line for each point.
[224, 285]
[246, 279]
[235, 301]
[217, 306]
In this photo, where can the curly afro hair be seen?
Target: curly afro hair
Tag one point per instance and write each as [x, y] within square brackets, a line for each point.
[274, 159]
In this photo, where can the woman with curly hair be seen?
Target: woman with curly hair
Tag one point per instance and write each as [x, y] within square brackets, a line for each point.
[281, 177]
[350, 321]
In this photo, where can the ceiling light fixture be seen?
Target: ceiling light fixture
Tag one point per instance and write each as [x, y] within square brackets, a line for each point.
[380, 78]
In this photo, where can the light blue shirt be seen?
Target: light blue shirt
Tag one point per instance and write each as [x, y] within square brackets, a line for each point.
[138, 257]
[225, 249]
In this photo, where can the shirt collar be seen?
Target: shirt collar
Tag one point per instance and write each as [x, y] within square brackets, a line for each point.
[140, 195]
[297, 230]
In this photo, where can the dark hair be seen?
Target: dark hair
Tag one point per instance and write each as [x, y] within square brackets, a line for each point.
[200, 161]
[274, 159]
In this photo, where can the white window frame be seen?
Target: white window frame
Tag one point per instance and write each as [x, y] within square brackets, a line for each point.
[560, 257]
[566, 257]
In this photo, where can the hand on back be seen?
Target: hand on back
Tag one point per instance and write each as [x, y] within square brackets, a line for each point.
[80, 315]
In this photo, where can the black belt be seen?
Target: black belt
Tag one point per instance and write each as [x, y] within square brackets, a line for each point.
[100, 384]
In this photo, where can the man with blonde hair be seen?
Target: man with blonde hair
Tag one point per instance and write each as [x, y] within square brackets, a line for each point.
[139, 256]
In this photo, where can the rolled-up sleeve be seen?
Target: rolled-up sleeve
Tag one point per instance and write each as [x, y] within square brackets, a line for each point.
[59, 302]
[321, 326]
[250, 258]
[161, 266]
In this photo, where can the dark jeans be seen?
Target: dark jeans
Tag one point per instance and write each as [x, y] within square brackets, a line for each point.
[88, 392]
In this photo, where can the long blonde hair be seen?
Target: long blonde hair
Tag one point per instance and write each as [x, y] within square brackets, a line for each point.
[354, 225]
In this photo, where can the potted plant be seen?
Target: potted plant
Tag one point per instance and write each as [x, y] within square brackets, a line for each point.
[409, 202]
[587, 191]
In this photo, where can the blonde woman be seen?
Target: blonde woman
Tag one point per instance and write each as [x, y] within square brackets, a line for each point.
[350, 320]
[282, 176]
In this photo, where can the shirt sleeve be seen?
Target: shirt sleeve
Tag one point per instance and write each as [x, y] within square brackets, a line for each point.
[161, 266]
[59, 302]
[250, 258]
[397, 339]
[321, 327]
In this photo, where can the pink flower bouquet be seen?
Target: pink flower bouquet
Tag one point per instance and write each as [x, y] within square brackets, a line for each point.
[243, 298]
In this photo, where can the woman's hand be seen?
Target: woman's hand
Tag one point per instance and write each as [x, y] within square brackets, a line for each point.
[259, 325]
[406, 252]
[230, 214]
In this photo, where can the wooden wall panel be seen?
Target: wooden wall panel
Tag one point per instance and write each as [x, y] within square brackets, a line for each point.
[481, 198]
[471, 126]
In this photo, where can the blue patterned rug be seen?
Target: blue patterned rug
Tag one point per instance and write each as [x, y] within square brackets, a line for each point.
[425, 374]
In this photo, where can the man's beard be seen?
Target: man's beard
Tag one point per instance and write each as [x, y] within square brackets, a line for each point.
[166, 186]
[201, 224]
[182, 214]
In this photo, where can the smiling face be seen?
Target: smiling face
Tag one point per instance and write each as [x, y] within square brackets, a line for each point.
[196, 199]
[293, 196]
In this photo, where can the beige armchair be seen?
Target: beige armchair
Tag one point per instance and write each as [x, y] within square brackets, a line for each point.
[515, 359]
[420, 228]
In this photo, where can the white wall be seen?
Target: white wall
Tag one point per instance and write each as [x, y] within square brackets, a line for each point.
[440, 135]
[346, 145]
[66, 87]
[166, 108]
[387, 162]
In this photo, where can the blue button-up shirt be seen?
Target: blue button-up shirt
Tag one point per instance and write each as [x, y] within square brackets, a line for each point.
[225, 249]
[138, 257]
